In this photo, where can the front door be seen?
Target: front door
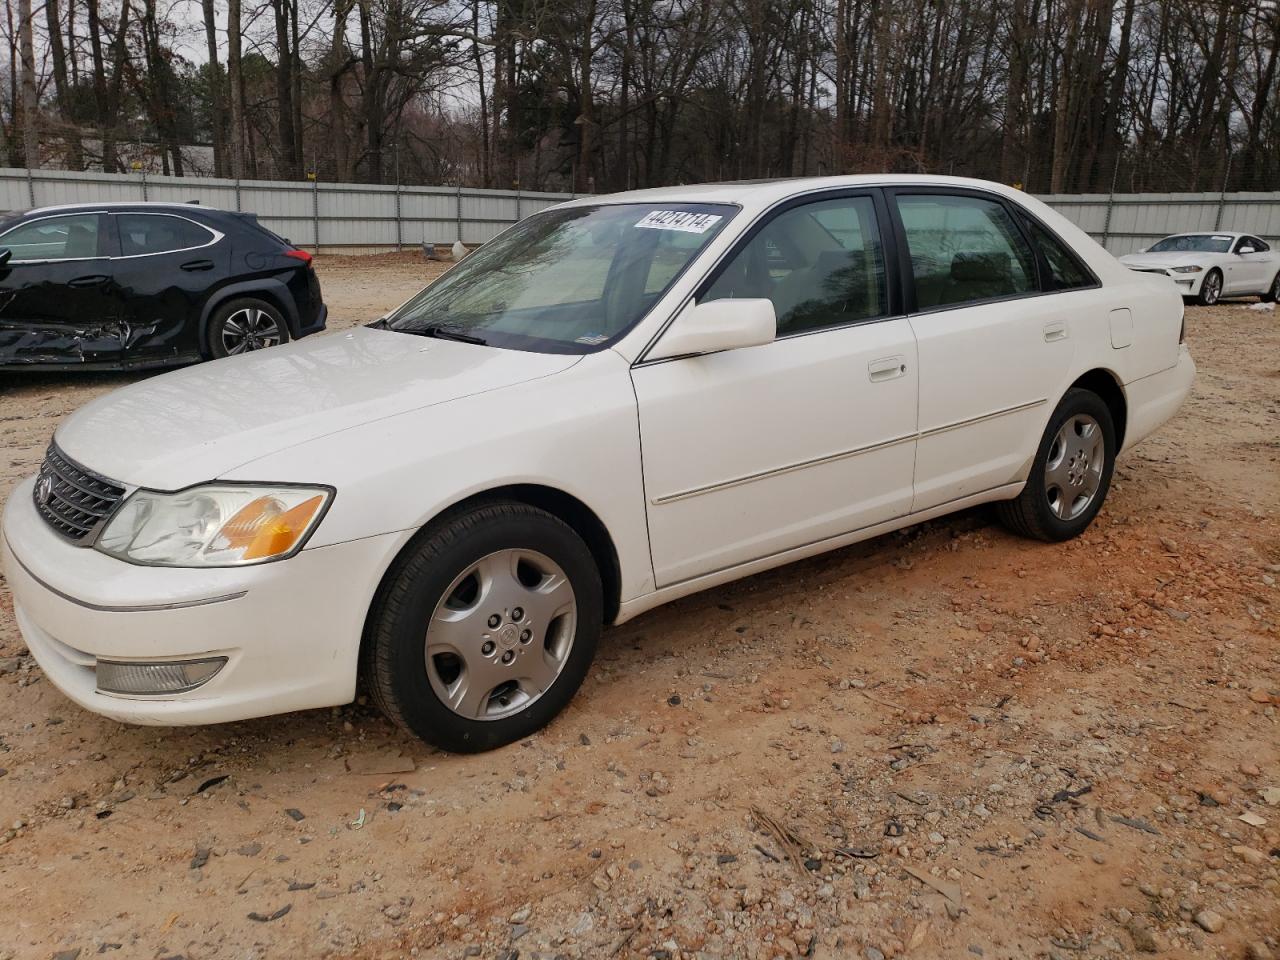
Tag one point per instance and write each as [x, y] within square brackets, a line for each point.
[751, 452]
[58, 302]
[1251, 272]
[995, 344]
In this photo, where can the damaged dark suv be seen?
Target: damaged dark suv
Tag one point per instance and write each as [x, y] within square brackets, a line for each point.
[136, 285]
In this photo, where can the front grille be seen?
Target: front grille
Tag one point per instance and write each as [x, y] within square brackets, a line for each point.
[74, 501]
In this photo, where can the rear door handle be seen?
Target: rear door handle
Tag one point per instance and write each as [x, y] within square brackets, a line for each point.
[95, 280]
[198, 265]
[1055, 330]
[886, 368]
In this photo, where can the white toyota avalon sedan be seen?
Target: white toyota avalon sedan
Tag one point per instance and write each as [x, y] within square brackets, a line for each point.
[1209, 266]
[619, 401]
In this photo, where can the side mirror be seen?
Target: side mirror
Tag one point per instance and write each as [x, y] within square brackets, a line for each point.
[1246, 249]
[5, 254]
[718, 325]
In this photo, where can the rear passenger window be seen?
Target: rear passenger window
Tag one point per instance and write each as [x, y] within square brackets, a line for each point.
[1065, 271]
[964, 249]
[821, 264]
[142, 233]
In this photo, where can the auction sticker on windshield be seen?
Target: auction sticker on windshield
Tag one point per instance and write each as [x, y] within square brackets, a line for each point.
[681, 220]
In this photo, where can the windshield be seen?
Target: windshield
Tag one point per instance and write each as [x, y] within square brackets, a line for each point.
[1193, 243]
[566, 281]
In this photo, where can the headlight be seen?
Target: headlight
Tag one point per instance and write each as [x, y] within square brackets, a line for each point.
[1192, 269]
[217, 525]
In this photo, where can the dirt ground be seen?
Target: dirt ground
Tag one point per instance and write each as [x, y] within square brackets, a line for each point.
[947, 742]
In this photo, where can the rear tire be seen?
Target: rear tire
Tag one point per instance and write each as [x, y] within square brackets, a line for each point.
[1272, 294]
[485, 629]
[244, 325]
[1071, 473]
[1210, 289]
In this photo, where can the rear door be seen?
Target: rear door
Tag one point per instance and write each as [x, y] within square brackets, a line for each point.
[995, 347]
[58, 303]
[752, 452]
[166, 268]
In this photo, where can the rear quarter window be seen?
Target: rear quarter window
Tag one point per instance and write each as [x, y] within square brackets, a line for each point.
[1066, 272]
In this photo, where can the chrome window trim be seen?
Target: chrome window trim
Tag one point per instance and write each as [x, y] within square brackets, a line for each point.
[215, 234]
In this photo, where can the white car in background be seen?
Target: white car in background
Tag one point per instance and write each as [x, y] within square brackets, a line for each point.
[619, 401]
[1210, 266]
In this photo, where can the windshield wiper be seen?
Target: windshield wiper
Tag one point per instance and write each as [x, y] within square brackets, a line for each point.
[442, 331]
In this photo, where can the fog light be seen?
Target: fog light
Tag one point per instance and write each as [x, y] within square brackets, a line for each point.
[150, 679]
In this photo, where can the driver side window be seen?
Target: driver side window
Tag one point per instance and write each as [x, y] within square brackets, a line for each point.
[69, 237]
[821, 264]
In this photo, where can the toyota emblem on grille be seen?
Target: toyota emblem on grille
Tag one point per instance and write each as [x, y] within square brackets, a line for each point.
[44, 489]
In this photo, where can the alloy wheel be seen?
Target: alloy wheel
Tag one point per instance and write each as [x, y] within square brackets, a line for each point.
[250, 328]
[502, 634]
[1073, 470]
[1212, 288]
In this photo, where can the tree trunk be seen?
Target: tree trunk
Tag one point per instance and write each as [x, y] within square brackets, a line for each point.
[338, 63]
[61, 85]
[26, 42]
[235, 84]
[216, 96]
[284, 93]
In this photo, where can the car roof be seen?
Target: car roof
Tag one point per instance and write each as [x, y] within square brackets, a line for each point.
[762, 193]
[124, 204]
[1209, 233]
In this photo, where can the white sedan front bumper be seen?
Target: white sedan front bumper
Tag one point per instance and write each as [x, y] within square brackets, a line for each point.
[290, 630]
[1188, 284]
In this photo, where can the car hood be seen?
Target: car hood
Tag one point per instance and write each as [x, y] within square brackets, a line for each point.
[199, 423]
[1170, 259]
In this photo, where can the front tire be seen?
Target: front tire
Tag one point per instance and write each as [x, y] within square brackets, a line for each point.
[485, 629]
[244, 325]
[1071, 474]
[1210, 289]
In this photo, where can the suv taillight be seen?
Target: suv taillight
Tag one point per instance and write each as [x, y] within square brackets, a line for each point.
[300, 255]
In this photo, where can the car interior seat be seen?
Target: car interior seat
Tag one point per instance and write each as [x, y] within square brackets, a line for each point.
[978, 276]
[82, 241]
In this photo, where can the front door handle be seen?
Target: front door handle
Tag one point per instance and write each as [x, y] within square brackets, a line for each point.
[886, 368]
[1055, 330]
[94, 280]
[198, 265]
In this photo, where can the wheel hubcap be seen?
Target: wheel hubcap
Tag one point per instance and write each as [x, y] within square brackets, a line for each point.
[249, 329]
[502, 634]
[1073, 471]
[1212, 285]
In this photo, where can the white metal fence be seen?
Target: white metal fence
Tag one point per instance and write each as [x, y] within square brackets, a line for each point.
[1127, 222]
[347, 217]
[335, 217]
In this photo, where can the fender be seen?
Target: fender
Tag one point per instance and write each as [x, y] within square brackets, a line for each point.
[279, 294]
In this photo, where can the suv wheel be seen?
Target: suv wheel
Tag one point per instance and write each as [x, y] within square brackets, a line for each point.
[1071, 473]
[240, 326]
[485, 629]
